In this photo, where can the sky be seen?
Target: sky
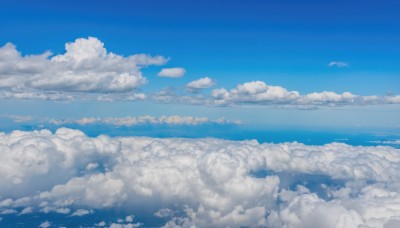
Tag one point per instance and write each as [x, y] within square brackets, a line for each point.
[176, 113]
[308, 47]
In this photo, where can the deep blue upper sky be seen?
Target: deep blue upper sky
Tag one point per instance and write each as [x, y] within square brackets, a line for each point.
[287, 43]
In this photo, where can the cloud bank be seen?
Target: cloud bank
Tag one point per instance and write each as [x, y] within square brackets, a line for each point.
[259, 93]
[202, 182]
[141, 120]
[86, 66]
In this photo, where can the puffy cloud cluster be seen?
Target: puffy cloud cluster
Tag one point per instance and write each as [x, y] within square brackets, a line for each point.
[86, 66]
[258, 92]
[140, 120]
[202, 182]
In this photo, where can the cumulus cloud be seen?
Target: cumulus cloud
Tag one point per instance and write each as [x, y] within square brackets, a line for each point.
[199, 84]
[201, 182]
[86, 66]
[259, 93]
[140, 120]
[175, 72]
[338, 64]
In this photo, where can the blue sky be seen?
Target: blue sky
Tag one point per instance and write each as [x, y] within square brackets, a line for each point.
[283, 43]
[239, 113]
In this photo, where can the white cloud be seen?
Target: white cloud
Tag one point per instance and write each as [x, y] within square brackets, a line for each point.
[201, 83]
[259, 93]
[26, 210]
[81, 212]
[8, 211]
[209, 182]
[86, 66]
[140, 120]
[338, 64]
[129, 218]
[102, 223]
[175, 72]
[254, 92]
[389, 142]
[45, 224]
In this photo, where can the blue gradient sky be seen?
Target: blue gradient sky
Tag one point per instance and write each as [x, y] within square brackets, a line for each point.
[285, 43]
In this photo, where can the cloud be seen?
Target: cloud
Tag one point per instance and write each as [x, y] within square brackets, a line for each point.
[201, 83]
[45, 224]
[254, 92]
[259, 93]
[202, 182]
[86, 66]
[389, 142]
[175, 72]
[80, 212]
[141, 120]
[338, 64]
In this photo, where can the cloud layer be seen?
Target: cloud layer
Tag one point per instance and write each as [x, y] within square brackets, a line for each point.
[86, 66]
[140, 120]
[202, 182]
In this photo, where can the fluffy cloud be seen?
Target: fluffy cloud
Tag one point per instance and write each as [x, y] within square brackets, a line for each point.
[338, 64]
[254, 92]
[201, 182]
[131, 121]
[201, 83]
[258, 92]
[175, 72]
[86, 66]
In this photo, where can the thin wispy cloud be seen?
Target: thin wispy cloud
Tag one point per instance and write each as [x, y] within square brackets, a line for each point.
[142, 120]
[338, 64]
